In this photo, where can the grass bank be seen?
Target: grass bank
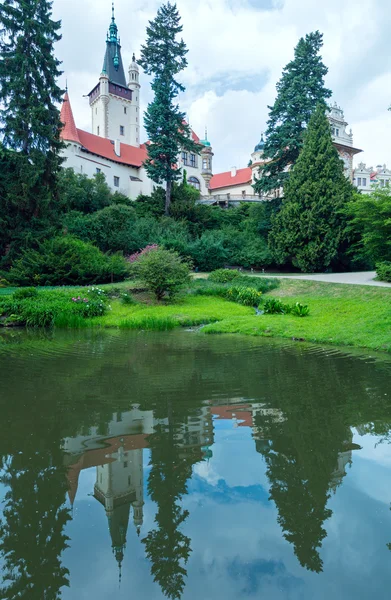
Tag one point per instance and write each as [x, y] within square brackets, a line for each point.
[345, 315]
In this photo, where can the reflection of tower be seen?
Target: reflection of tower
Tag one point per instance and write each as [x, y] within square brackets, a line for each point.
[119, 484]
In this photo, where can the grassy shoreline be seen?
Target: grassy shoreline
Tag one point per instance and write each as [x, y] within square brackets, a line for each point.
[341, 315]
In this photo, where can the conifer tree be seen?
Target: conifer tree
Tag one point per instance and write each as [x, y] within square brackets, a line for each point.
[310, 227]
[164, 57]
[29, 118]
[300, 89]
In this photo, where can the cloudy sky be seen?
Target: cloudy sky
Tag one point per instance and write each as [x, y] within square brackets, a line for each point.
[237, 49]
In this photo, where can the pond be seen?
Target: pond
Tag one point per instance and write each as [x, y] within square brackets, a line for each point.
[184, 466]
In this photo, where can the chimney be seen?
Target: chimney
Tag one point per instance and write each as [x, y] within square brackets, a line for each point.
[117, 147]
[233, 171]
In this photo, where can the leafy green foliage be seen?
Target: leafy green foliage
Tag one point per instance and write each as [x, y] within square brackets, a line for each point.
[383, 271]
[127, 299]
[209, 252]
[299, 91]
[84, 194]
[300, 310]
[66, 260]
[27, 292]
[370, 220]
[164, 57]
[224, 275]
[310, 229]
[272, 306]
[162, 272]
[52, 308]
[244, 295]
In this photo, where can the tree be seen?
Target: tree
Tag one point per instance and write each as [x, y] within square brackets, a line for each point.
[162, 271]
[370, 218]
[164, 57]
[29, 118]
[300, 89]
[310, 228]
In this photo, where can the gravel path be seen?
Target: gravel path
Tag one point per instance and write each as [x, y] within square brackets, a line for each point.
[362, 278]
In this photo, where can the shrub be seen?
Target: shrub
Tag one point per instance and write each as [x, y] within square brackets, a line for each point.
[208, 252]
[29, 292]
[300, 310]
[224, 275]
[127, 299]
[383, 271]
[244, 295]
[162, 272]
[66, 260]
[271, 306]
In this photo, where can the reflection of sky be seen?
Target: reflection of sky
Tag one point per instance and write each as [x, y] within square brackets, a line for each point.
[237, 546]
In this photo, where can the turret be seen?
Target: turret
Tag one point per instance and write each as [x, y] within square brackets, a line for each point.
[207, 159]
[134, 85]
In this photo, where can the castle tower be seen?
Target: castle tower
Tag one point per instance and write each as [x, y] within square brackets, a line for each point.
[113, 114]
[138, 503]
[134, 86]
[343, 141]
[207, 160]
[257, 159]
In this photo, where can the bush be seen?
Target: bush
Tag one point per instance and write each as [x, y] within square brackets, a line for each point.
[224, 275]
[208, 252]
[244, 295]
[383, 271]
[66, 260]
[127, 299]
[271, 306]
[162, 272]
[300, 310]
[29, 292]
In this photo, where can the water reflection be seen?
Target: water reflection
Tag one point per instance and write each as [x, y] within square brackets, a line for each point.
[149, 425]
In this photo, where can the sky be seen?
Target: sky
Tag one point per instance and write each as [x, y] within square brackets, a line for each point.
[237, 50]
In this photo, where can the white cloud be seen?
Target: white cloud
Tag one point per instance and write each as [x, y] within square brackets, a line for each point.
[237, 50]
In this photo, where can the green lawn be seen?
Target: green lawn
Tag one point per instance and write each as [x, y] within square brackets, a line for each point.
[340, 314]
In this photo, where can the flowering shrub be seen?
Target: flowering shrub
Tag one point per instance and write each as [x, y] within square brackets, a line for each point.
[134, 257]
[244, 295]
[94, 305]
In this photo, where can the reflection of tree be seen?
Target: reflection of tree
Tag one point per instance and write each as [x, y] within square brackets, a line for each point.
[32, 527]
[302, 465]
[166, 546]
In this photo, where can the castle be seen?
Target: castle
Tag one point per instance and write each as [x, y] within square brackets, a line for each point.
[113, 146]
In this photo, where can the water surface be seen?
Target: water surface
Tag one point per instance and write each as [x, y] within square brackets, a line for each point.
[188, 466]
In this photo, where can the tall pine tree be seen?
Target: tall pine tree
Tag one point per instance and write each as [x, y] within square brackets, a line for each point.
[310, 228]
[164, 57]
[29, 118]
[300, 89]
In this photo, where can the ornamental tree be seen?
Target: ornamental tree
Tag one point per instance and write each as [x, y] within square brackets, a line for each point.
[164, 56]
[310, 228]
[300, 89]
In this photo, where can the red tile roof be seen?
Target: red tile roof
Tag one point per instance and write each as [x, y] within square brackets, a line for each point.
[69, 131]
[130, 155]
[222, 180]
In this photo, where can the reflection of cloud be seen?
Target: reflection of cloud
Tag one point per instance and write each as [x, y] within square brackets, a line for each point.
[206, 471]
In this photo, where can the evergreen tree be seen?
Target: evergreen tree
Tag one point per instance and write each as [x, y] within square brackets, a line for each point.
[300, 89]
[310, 229]
[29, 118]
[164, 57]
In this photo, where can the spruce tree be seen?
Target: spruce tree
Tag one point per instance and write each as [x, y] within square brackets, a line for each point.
[29, 118]
[310, 227]
[164, 57]
[300, 89]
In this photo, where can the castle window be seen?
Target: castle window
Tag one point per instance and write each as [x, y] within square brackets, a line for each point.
[116, 181]
[337, 132]
[98, 170]
[333, 130]
[125, 110]
[122, 130]
[364, 181]
[125, 464]
[382, 183]
[205, 164]
[243, 193]
[193, 161]
[194, 182]
[97, 130]
[129, 480]
[185, 158]
[359, 181]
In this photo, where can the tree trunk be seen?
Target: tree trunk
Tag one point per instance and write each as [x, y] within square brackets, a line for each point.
[168, 198]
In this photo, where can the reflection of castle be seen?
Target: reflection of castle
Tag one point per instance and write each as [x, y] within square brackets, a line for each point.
[117, 453]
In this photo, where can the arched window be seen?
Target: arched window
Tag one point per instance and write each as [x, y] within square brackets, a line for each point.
[194, 182]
